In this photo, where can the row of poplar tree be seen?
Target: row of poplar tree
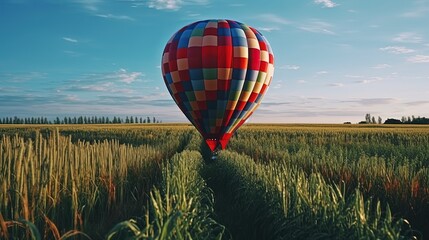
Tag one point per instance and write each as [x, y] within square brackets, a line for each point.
[78, 120]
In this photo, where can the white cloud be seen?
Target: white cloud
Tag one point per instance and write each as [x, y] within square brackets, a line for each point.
[367, 80]
[322, 72]
[70, 39]
[397, 49]
[419, 59]
[71, 98]
[236, 5]
[381, 66]
[273, 18]
[22, 77]
[112, 16]
[290, 67]
[336, 84]
[165, 4]
[317, 26]
[415, 14]
[91, 5]
[268, 29]
[301, 81]
[128, 77]
[173, 4]
[408, 37]
[326, 3]
[352, 76]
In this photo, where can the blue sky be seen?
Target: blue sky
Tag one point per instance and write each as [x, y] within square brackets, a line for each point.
[335, 60]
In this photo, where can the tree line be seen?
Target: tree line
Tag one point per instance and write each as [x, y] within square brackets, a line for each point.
[404, 120]
[78, 120]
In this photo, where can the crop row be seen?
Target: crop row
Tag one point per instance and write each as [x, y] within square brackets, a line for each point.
[277, 201]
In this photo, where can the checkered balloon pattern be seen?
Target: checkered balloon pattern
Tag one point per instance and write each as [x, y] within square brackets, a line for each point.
[217, 72]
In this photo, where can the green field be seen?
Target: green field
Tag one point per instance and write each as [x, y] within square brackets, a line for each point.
[291, 181]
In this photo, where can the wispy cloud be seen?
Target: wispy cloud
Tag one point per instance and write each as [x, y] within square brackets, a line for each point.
[335, 84]
[420, 12]
[273, 18]
[317, 26]
[236, 5]
[374, 101]
[397, 49]
[91, 5]
[290, 67]
[112, 16]
[414, 103]
[408, 37]
[419, 59]
[22, 77]
[128, 77]
[381, 66]
[326, 3]
[367, 80]
[72, 53]
[68, 39]
[173, 4]
[353, 76]
[268, 29]
[116, 82]
[322, 72]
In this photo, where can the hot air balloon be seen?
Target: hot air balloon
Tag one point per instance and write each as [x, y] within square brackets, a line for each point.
[217, 72]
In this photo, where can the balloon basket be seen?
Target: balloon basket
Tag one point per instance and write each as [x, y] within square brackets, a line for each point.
[214, 155]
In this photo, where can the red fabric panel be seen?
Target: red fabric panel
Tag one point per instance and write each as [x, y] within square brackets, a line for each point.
[209, 56]
[194, 57]
[182, 53]
[211, 95]
[202, 105]
[263, 67]
[240, 63]
[184, 75]
[240, 105]
[224, 41]
[224, 56]
[179, 87]
[223, 85]
[254, 59]
[253, 97]
[210, 31]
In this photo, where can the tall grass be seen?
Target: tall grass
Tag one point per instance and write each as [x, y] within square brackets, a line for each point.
[388, 164]
[77, 185]
[181, 207]
[276, 201]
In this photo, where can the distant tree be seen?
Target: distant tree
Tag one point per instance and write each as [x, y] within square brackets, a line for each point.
[148, 120]
[131, 119]
[136, 120]
[153, 120]
[380, 121]
[392, 121]
[368, 118]
[373, 120]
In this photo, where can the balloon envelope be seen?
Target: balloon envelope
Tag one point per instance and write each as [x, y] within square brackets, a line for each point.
[217, 72]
